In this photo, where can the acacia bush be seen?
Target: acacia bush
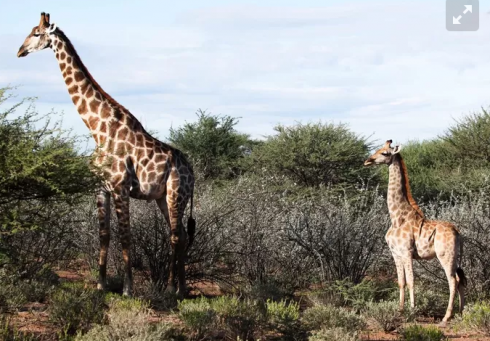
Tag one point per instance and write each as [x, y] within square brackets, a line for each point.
[229, 315]
[387, 314]
[216, 149]
[327, 316]
[344, 235]
[419, 333]
[315, 154]
[450, 165]
[253, 237]
[76, 308]
[128, 319]
[43, 177]
[476, 316]
[438, 172]
[337, 334]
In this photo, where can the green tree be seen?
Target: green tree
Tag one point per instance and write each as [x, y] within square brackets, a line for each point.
[42, 176]
[315, 154]
[470, 138]
[215, 148]
[429, 172]
[453, 163]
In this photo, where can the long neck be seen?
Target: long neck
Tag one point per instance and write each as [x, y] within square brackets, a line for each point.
[106, 119]
[400, 201]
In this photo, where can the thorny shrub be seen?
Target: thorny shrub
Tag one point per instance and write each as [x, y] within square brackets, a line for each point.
[387, 316]
[327, 316]
[419, 333]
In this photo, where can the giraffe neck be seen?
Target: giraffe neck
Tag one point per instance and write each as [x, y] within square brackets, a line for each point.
[401, 204]
[106, 119]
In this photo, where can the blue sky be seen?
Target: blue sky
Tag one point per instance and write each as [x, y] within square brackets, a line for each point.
[387, 68]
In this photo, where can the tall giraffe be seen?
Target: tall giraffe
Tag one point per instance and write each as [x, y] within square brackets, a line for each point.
[134, 163]
[412, 236]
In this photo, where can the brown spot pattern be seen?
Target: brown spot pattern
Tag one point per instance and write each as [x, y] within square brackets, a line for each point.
[79, 76]
[93, 122]
[73, 89]
[106, 110]
[94, 106]
[90, 92]
[82, 108]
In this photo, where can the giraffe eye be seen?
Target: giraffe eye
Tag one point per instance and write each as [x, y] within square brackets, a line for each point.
[36, 34]
[385, 154]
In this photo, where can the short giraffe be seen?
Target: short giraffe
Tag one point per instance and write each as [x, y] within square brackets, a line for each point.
[412, 236]
[134, 163]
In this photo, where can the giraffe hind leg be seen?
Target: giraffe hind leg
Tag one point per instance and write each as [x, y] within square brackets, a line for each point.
[122, 210]
[177, 241]
[104, 216]
[448, 261]
[162, 204]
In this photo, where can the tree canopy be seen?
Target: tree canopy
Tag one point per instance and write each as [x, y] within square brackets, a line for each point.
[39, 163]
[315, 154]
[214, 146]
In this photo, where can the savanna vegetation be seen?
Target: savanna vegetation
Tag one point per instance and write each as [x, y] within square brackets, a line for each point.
[289, 242]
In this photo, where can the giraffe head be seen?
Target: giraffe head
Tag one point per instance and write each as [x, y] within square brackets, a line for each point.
[384, 155]
[40, 37]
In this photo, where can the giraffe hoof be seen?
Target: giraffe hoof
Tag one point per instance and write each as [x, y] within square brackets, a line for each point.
[442, 324]
[100, 287]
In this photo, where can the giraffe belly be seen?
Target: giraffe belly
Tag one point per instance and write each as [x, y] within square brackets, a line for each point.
[146, 191]
[424, 251]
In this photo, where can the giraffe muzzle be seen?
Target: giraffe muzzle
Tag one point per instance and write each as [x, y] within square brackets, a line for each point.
[22, 52]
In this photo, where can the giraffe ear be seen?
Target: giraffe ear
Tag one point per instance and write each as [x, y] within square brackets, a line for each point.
[397, 149]
[52, 28]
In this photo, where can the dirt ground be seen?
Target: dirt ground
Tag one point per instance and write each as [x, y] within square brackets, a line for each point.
[34, 317]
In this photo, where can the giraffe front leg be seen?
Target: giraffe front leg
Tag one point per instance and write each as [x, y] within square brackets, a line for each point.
[121, 202]
[401, 279]
[408, 265]
[104, 216]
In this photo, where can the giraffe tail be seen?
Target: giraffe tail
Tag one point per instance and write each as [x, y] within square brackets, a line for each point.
[463, 281]
[191, 224]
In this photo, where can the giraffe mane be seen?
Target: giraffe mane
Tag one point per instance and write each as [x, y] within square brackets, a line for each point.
[406, 187]
[96, 85]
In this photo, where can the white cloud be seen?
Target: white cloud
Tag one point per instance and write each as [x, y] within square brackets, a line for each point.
[390, 68]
